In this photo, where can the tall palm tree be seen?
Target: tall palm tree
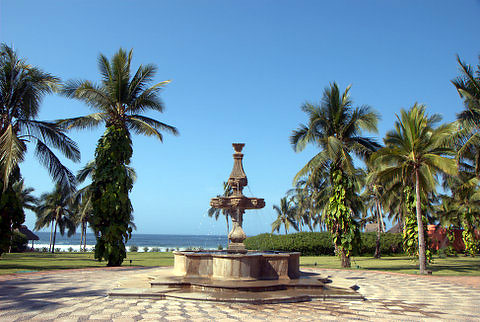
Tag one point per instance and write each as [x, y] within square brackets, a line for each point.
[335, 127]
[215, 212]
[415, 153]
[286, 214]
[120, 100]
[22, 87]
[55, 208]
[468, 136]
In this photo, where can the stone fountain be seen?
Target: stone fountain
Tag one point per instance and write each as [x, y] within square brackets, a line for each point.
[237, 274]
[237, 203]
[236, 262]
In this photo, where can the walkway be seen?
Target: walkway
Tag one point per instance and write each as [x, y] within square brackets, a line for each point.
[79, 295]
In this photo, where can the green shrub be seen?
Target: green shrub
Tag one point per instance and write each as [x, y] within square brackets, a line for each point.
[134, 248]
[19, 242]
[145, 249]
[389, 244]
[308, 243]
[155, 249]
[320, 243]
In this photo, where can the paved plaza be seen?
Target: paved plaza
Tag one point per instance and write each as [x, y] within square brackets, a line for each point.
[80, 295]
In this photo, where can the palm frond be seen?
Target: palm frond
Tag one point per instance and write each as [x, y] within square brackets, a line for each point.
[12, 152]
[83, 122]
[51, 134]
[57, 170]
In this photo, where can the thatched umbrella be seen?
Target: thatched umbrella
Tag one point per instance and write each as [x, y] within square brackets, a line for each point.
[28, 233]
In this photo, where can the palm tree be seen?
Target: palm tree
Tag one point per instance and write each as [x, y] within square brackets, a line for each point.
[373, 195]
[215, 212]
[24, 195]
[120, 100]
[414, 153]
[285, 216]
[55, 208]
[335, 127]
[22, 88]
[468, 136]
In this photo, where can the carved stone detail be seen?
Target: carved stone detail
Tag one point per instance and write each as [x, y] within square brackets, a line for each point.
[237, 202]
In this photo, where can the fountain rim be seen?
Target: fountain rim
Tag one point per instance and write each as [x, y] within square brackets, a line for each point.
[222, 253]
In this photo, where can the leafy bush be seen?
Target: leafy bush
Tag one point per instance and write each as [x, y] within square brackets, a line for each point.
[320, 243]
[134, 248]
[155, 249]
[19, 242]
[145, 249]
[389, 244]
[70, 249]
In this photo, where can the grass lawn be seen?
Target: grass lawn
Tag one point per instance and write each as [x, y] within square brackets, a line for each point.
[27, 262]
[453, 266]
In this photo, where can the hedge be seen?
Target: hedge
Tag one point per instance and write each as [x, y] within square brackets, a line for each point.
[320, 243]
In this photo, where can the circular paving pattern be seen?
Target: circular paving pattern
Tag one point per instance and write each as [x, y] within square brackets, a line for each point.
[80, 295]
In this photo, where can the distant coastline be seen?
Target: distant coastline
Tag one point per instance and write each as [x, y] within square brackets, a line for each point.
[160, 241]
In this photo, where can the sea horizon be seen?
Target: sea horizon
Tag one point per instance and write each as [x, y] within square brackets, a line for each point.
[163, 242]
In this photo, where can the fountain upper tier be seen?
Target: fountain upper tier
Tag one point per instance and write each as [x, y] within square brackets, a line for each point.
[237, 180]
[237, 203]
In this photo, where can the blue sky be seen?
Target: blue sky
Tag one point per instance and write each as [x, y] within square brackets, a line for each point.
[240, 71]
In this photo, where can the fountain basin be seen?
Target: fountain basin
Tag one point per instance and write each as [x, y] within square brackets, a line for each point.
[221, 265]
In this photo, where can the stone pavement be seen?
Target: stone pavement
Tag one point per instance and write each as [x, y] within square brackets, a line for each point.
[80, 295]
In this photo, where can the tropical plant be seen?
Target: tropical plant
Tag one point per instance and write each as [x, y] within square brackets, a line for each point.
[373, 199]
[24, 195]
[415, 152]
[83, 209]
[215, 212]
[286, 214]
[335, 127]
[462, 208]
[55, 209]
[22, 87]
[468, 136]
[120, 100]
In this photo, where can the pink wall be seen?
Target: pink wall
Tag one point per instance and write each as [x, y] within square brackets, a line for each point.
[438, 238]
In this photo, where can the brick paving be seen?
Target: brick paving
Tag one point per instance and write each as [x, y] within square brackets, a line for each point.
[80, 295]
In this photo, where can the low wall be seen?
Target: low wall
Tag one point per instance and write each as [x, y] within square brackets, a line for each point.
[438, 238]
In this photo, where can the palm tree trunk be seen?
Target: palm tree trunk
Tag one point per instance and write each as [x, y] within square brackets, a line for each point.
[377, 242]
[51, 236]
[379, 229]
[54, 236]
[421, 235]
[81, 239]
[85, 239]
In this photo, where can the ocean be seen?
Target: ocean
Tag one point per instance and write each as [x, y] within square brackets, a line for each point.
[161, 241]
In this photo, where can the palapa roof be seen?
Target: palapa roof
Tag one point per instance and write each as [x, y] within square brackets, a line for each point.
[27, 232]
